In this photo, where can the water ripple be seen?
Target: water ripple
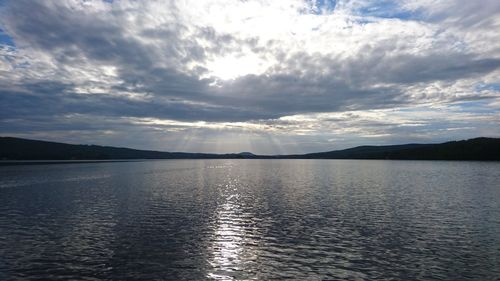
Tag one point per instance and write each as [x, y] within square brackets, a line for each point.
[251, 220]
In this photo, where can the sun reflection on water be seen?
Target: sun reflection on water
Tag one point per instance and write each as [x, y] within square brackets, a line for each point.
[231, 238]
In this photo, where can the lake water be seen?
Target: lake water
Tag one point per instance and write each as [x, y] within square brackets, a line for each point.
[251, 220]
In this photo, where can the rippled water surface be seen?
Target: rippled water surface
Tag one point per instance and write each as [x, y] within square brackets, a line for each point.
[251, 220]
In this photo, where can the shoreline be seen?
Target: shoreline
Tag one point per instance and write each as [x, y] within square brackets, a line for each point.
[49, 162]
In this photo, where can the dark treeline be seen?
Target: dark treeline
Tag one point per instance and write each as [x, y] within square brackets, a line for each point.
[473, 149]
[24, 149]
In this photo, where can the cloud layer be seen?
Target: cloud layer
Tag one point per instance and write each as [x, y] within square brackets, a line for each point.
[267, 76]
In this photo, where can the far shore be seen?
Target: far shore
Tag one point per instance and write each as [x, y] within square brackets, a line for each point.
[48, 162]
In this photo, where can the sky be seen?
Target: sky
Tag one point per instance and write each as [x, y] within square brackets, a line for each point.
[268, 77]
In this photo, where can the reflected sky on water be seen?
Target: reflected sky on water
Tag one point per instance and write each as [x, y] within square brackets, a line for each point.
[251, 220]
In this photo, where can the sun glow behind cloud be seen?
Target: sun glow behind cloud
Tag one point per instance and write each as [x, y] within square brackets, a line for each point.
[232, 67]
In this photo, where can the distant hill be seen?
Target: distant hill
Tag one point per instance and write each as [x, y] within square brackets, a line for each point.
[24, 149]
[246, 154]
[474, 149]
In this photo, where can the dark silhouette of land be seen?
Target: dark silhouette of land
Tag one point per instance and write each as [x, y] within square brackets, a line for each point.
[486, 149]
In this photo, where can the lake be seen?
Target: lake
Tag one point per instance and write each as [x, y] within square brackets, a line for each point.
[251, 220]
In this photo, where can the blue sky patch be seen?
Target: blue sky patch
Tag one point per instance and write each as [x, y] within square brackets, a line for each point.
[5, 39]
[388, 9]
[323, 6]
[488, 86]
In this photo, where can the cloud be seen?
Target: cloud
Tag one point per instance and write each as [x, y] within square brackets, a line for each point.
[241, 63]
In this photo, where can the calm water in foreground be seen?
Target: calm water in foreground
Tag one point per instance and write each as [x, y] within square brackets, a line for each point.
[251, 220]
